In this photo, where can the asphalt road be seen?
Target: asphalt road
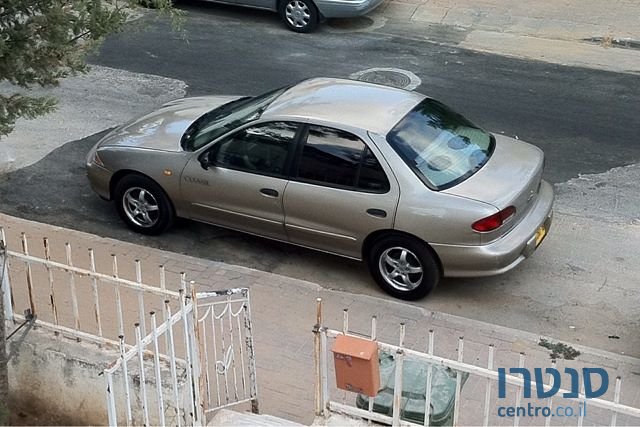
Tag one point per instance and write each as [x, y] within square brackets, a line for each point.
[585, 120]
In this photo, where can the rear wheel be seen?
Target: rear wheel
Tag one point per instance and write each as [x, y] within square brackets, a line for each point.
[300, 16]
[404, 267]
[143, 205]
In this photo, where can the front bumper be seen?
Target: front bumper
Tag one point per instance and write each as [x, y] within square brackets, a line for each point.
[346, 8]
[99, 179]
[505, 253]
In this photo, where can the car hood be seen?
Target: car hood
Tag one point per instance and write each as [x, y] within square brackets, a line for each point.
[163, 128]
[510, 177]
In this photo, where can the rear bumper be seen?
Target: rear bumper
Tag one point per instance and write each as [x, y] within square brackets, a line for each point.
[505, 253]
[346, 8]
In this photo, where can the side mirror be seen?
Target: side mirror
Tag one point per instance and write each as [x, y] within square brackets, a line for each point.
[206, 161]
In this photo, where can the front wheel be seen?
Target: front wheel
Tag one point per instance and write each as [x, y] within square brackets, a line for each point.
[404, 267]
[143, 205]
[300, 16]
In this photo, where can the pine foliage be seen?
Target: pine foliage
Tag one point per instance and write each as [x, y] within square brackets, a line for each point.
[43, 41]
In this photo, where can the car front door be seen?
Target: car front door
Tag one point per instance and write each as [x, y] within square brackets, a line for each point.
[239, 182]
[339, 193]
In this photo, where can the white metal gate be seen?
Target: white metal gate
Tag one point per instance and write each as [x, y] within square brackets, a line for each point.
[224, 333]
[210, 364]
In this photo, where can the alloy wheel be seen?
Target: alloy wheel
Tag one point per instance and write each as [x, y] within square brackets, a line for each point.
[141, 207]
[401, 268]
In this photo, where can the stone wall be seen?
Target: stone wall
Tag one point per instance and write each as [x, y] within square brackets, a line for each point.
[56, 380]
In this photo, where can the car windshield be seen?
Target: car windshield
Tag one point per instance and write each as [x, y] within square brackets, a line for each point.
[225, 118]
[441, 146]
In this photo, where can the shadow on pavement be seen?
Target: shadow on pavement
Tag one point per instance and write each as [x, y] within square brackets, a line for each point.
[55, 190]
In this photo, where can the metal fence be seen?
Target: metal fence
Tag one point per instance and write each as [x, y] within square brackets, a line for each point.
[475, 405]
[83, 303]
[137, 391]
[183, 354]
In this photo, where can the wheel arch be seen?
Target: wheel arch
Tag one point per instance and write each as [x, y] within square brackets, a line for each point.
[116, 177]
[374, 237]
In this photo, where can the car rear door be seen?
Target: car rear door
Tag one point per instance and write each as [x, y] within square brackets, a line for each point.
[245, 179]
[339, 192]
[262, 4]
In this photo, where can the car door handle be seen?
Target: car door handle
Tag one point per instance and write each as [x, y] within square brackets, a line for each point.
[377, 213]
[269, 192]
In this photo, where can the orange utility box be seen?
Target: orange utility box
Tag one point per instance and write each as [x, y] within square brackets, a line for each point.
[356, 363]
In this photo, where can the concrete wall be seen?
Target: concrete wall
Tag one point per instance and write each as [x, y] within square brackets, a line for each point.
[58, 380]
[58, 377]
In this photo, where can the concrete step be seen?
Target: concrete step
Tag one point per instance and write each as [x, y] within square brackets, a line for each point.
[227, 417]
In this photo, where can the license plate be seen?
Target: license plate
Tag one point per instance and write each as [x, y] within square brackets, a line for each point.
[540, 233]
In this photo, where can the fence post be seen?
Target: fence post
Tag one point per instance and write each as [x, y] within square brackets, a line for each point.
[397, 384]
[456, 399]
[196, 361]
[427, 395]
[111, 401]
[188, 332]
[317, 330]
[5, 288]
[52, 293]
[25, 251]
[251, 350]
[172, 359]
[4, 315]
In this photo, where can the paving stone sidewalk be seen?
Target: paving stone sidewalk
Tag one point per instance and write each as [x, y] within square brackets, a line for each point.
[589, 33]
[284, 310]
[554, 19]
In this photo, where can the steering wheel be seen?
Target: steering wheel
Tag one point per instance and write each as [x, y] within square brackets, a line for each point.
[254, 155]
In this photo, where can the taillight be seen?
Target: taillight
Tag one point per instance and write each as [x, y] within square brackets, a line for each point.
[494, 221]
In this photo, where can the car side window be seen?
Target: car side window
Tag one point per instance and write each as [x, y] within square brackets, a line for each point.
[372, 176]
[339, 159]
[262, 149]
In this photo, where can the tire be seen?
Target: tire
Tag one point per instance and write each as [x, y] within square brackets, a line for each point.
[410, 276]
[300, 16]
[143, 205]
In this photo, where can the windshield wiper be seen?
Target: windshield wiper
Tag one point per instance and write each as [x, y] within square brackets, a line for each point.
[218, 112]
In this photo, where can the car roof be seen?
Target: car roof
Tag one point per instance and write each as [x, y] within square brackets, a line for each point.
[351, 103]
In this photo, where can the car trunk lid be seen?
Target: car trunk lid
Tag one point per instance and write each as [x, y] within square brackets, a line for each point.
[511, 177]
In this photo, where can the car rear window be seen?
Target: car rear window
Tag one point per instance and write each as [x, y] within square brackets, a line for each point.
[441, 146]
